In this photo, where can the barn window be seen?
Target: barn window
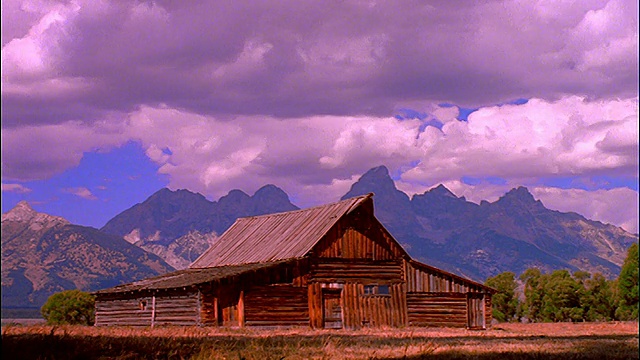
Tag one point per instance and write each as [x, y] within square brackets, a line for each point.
[376, 290]
[143, 304]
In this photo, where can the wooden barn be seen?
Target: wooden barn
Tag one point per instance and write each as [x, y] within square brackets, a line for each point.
[331, 266]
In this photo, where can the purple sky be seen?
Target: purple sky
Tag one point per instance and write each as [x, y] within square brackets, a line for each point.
[105, 102]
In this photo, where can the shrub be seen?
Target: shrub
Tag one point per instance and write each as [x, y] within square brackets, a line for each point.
[72, 307]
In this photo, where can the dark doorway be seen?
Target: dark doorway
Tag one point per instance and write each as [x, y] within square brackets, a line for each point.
[475, 311]
[331, 308]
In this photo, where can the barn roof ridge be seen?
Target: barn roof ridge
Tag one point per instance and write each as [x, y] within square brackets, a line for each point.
[305, 209]
[286, 235]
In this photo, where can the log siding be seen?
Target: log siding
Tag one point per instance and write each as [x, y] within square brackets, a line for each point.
[437, 309]
[160, 309]
[276, 306]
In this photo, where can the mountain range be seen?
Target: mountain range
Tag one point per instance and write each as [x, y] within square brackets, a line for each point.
[44, 254]
[172, 228]
[514, 233]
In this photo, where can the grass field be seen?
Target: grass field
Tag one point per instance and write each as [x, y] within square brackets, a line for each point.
[566, 341]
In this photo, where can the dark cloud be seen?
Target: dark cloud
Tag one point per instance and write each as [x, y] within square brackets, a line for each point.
[306, 58]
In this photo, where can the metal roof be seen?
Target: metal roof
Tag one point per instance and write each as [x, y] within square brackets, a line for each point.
[273, 237]
[187, 277]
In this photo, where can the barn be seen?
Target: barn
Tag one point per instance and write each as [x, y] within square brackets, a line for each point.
[331, 266]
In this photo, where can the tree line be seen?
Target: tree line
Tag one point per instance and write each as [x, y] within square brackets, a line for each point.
[562, 296]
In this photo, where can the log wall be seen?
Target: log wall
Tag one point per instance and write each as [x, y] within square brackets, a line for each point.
[488, 310]
[209, 307]
[276, 305]
[123, 312]
[363, 310]
[314, 292]
[362, 271]
[358, 236]
[177, 310]
[426, 280]
[169, 309]
[437, 309]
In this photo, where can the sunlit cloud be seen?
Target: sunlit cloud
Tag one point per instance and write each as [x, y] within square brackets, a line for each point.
[82, 192]
[15, 188]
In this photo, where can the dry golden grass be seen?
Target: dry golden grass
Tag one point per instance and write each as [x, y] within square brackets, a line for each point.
[613, 340]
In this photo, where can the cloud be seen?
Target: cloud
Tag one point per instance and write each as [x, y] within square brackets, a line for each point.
[82, 192]
[39, 152]
[567, 137]
[85, 59]
[211, 156]
[15, 188]
[616, 206]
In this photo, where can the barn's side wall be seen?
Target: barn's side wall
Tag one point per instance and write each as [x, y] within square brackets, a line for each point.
[146, 309]
[276, 305]
[437, 309]
[488, 310]
[435, 298]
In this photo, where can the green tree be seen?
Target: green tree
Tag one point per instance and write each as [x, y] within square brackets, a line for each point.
[599, 300]
[506, 304]
[628, 286]
[533, 292]
[69, 307]
[561, 297]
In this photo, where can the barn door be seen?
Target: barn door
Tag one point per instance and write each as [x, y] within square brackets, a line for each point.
[331, 309]
[475, 311]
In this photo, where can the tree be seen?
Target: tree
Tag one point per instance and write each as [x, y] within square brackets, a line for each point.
[561, 297]
[506, 304]
[533, 291]
[599, 299]
[628, 286]
[69, 307]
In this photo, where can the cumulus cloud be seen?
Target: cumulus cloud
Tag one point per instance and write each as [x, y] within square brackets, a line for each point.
[80, 59]
[616, 206]
[212, 155]
[82, 192]
[567, 137]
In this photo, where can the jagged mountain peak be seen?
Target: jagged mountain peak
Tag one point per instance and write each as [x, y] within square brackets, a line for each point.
[442, 190]
[271, 192]
[378, 181]
[519, 195]
[268, 190]
[378, 171]
[234, 195]
[165, 194]
[23, 212]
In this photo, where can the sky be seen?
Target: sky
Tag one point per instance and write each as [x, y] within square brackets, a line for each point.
[106, 102]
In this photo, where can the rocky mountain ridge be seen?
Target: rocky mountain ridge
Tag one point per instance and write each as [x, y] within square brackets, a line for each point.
[480, 240]
[44, 254]
[167, 215]
[180, 225]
